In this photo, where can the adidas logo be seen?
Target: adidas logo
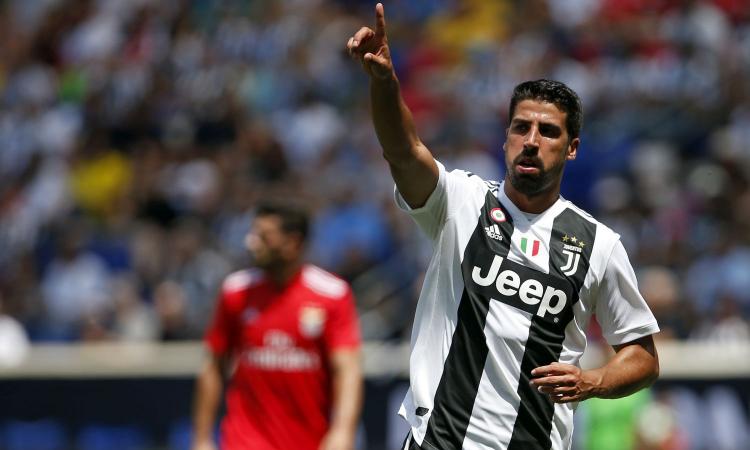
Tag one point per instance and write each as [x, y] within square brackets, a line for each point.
[493, 231]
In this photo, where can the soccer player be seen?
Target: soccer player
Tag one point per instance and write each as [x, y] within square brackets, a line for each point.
[290, 335]
[516, 274]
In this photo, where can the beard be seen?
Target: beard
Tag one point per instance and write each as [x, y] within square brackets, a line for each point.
[532, 185]
[267, 260]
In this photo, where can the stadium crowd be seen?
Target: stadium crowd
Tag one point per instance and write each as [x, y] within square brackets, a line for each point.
[135, 138]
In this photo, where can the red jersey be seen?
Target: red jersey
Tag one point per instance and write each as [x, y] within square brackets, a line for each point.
[279, 397]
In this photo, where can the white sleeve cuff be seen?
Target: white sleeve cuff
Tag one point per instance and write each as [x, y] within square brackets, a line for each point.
[630, 335]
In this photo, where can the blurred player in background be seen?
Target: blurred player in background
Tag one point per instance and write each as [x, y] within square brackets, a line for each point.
[287, 333]
[516, 274]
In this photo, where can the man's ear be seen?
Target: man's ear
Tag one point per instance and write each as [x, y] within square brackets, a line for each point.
[573, 149]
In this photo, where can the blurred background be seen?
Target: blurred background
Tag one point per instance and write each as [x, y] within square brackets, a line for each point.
[137, 136]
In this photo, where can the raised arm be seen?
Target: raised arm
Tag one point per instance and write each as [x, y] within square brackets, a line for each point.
[413, 168]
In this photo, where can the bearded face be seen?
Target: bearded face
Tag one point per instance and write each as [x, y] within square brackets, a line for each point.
[537, 147]
[270, 246]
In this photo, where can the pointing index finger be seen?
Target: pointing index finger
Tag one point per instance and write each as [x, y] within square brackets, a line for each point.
[379, 20]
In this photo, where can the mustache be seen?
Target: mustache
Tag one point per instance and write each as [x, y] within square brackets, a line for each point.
[528, 158]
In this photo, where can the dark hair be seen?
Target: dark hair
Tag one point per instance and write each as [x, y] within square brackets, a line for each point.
[553, 92]
[294, 218]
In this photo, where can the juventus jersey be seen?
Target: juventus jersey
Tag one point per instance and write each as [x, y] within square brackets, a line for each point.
[505, 293]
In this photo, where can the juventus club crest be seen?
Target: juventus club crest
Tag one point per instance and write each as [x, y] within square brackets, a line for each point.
[572, 249]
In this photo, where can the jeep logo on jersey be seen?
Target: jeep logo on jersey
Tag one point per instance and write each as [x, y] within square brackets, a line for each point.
[522, 287]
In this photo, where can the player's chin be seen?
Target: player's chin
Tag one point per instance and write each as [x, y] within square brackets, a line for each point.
[528, 178]
[260, 261]
[529, 184]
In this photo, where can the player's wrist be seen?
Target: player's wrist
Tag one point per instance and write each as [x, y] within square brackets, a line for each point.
[344, 430]
[202, 437]
[206, 444]
[387, 81]
[594, 383]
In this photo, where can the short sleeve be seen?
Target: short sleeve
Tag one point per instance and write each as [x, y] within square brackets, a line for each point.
[342, 326]
[219, 333]
[621, 310]
[451, 191]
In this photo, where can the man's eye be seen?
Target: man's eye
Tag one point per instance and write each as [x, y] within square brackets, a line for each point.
[551, 132]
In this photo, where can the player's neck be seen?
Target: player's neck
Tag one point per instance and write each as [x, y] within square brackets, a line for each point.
[281, 276]
[535, 204]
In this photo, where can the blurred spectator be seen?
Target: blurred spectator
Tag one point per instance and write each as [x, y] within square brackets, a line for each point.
[612, 423]
[170, 305]
[726, 325]
[657, 429]
[134, 319]
[197, 270]
[660, 288]
[75, 286]
[14, 343]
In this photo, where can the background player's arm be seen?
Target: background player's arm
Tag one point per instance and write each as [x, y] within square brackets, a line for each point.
[634, 366]
[413, 168]
[346, 374]
[208, 390]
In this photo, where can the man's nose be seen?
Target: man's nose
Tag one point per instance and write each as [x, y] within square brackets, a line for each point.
[532, 138]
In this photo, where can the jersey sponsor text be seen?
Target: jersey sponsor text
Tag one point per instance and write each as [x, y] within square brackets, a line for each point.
[280, 353]
[530, 291]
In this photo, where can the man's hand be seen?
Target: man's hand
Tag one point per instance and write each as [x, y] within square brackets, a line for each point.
[564, 383]
[338, 439]
[371, 47]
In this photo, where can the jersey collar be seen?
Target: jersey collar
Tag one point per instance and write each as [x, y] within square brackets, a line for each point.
[292, 281]
[519, 217]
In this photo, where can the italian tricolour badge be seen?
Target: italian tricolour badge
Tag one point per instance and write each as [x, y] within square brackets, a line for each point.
[530, 247]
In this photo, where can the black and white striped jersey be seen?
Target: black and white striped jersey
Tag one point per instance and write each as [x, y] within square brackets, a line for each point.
[506, 292]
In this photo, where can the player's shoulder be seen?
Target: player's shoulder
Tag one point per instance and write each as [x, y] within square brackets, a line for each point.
[465, 174]
[603, 232]
[475, 180]
[323, 282]
[242, 280]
